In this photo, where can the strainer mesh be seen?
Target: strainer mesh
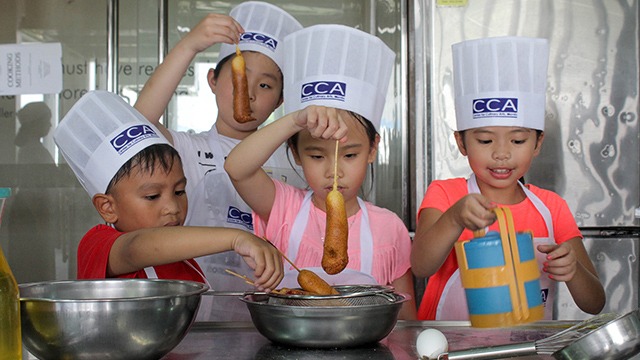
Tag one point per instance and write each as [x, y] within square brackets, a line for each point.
[350, 295]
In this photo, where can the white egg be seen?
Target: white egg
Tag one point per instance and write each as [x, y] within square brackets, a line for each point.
[431, 343]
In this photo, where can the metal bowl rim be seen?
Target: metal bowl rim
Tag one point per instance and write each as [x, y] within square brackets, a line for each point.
[246, 299]
[199, 288]
[628, 318]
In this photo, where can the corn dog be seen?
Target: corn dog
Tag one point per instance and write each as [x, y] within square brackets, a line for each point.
[311, 282]
[335, 256]
[241, 107]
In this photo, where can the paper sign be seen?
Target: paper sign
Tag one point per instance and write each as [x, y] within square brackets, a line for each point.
[34, 68]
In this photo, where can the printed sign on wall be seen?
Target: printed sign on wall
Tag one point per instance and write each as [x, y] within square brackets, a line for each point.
[34, 68]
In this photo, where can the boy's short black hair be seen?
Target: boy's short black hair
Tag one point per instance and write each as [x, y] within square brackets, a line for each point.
[148, 159]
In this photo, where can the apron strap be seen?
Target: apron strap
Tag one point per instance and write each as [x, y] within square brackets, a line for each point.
[366, 240]
[151, 273]
[299, 225]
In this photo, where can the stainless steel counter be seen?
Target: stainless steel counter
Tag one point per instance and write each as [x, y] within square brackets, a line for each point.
[243, 341]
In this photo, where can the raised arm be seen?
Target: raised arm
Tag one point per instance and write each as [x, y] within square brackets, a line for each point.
[158, 90]
[138, 249]
[244, 163]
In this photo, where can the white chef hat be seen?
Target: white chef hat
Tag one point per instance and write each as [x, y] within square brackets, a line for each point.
[265, 27]
[500, 81]
[337, 66]
[99, 134]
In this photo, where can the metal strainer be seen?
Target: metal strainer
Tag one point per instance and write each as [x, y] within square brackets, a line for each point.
[324, 326]
[350, 295]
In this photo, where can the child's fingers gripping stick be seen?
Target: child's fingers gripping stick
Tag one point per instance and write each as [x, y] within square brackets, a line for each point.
[241, 106]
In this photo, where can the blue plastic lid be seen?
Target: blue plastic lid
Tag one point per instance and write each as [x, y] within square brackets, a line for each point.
[5, 192]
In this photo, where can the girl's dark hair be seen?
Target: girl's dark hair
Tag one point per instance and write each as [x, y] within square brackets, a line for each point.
[148, 160]
[218, 69]
[292, 142]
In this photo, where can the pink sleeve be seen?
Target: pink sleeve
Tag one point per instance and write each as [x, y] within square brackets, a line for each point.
[402, 262]
[392, 245]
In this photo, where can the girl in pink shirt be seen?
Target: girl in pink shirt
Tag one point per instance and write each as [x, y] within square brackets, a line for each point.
[293, 219]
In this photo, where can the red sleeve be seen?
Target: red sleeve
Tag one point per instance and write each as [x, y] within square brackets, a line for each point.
[93, 256]
[441, 194]
[93, 252]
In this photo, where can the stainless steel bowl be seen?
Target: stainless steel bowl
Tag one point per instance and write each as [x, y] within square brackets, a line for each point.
[107, 319]
[617, 340]
[326, 326]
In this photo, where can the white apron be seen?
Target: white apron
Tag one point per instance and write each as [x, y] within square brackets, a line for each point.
[453, 301]
[215, 202]
[345, 277]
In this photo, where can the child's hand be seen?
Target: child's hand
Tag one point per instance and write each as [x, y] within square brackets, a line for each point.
[322, 122]
[263, 258]
[561, 264]
[213, 29]
[473, 212]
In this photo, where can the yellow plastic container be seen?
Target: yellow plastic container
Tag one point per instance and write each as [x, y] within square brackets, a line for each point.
[500, 275]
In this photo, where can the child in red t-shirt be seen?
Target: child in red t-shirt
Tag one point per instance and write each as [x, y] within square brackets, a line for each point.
[137, 185]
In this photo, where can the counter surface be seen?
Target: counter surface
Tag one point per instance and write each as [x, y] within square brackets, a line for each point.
[242, 341]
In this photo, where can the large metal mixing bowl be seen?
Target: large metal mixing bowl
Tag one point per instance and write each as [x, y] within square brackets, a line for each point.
[323, 326]
[107, 319]
[616, 340]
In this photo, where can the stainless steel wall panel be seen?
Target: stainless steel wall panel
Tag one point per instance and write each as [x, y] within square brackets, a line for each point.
[615, 257]
[590, 155]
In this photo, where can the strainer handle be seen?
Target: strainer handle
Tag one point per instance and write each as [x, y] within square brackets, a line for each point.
[493, 352]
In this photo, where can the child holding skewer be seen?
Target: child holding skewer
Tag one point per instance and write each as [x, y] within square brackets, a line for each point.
[136, 183]
[330, 95]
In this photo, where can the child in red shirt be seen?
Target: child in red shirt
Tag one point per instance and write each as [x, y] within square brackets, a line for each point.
[137, 185]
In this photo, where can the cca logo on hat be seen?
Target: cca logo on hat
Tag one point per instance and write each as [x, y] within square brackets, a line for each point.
[262, 39]
[131, 136]
[333, 90]
[495, 107]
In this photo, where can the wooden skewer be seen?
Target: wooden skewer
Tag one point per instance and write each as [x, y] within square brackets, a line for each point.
[335, 167]
[289, 261]
[283, 255]
[245, 278]
[248, 281]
